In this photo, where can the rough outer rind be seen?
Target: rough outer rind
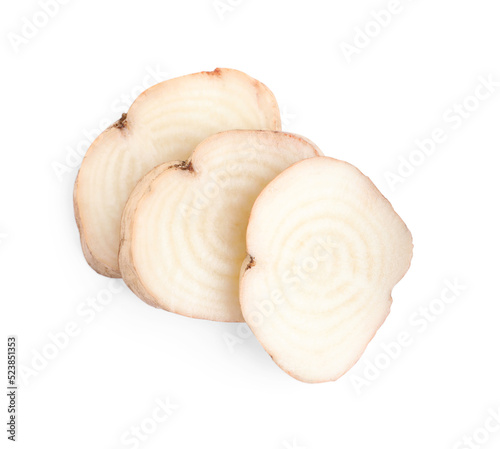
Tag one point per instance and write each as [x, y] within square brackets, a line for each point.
[126, 256]
[121, 133]
[95, 263]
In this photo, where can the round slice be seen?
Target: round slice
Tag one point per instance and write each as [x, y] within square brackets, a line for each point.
[165, 123]
[325, 250]
[184, 226]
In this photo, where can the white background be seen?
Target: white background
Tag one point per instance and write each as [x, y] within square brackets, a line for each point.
[69, 78]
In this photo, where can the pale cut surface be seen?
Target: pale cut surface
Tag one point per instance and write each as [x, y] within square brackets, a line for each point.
[165, 123]
[184, 225]
[326, 249]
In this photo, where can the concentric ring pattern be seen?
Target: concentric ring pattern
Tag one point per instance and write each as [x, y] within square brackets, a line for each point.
[188, 235]
[328, 248]
[164, 124]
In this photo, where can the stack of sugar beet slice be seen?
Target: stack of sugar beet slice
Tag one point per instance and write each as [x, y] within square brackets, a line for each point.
[205, 208]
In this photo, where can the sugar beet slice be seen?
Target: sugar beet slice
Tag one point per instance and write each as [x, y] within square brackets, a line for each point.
[184, 225]
[164, 124]
[326, 249]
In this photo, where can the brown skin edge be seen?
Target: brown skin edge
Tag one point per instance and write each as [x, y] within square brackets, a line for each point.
[250, 262]
[96, 264]
[123, 124]
[261, 91]
[126, 255]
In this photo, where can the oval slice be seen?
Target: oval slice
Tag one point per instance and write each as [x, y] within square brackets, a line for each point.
[326, 249]
[184, 226]
[165, 123]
